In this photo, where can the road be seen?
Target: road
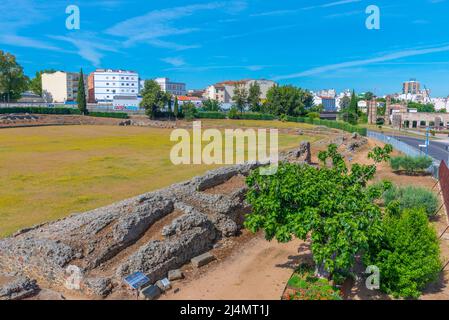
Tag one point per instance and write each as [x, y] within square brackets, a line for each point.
[437, 149]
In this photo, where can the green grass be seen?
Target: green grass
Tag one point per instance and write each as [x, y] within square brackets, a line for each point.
[50, 172]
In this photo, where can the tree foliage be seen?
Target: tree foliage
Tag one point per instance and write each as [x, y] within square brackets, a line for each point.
[81, 96]
[240, 97]
[288, 100]
[211, 105]
[351, 113]
[153, 98]
[254, 94]
[421, 107]
[331, 204]
[407, 254]
[13, 82]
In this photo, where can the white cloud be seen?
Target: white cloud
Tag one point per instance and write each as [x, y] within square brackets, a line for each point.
[356, 63]
[175, 61]
[156, 24]
[284, 12]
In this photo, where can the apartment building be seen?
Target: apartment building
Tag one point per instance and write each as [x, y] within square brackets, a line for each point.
[60, 86]
[411, 87]
[224, 91]
[174, 88]
[105, 84]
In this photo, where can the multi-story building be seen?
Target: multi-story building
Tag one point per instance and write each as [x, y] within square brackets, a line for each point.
[224, 91]
[105, 84]
[60, 86]
[411, 87]
[329, 104]
[174, 88]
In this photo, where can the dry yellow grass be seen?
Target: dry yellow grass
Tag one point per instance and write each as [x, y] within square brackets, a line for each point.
[50, 172]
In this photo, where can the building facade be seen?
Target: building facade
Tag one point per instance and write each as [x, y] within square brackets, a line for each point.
[174, 88]
[223, 92]
[61, 87]
[105, 84]
[411, 87]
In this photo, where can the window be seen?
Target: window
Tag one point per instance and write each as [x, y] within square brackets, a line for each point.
[107, 83]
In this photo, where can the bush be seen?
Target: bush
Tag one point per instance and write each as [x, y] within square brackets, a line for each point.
[408, 256]
[40, 110]
[117, 115]
[412, 198]
[210, 115]
[256, 116]
[329, 123]
[233, 113]
[411, 165]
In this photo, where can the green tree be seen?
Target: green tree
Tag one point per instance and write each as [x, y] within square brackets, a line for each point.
[351, 113]
[421, 107]
[240, 97]
[368, 95]
[81, 96]
[13, 82]
[254, 97]
[331, 204]
[407, 255]
[189, 111]
[176, 108]
[153, 98]
[345, 102]
[288, 100]
[35, 84]
[211, 105]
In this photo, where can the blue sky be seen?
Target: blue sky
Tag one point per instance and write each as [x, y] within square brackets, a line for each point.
[314, 44]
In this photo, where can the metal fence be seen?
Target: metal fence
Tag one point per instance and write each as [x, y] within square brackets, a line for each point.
[405, 148]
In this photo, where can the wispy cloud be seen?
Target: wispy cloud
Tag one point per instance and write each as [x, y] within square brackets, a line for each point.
[293, 11]
[356, 63]
[88, 46]
[174, 61]
[219, 67]
[155, 25]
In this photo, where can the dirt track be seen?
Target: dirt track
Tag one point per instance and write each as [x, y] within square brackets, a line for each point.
[257, 270]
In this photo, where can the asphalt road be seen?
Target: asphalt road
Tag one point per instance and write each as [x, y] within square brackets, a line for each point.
[437, 149]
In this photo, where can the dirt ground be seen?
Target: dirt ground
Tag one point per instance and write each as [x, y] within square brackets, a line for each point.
[256, 270]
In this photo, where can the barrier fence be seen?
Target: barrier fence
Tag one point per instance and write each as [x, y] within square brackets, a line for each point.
[405, 148]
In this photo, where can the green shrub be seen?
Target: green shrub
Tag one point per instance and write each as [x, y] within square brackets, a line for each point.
[40, 110]
[412, 198]
[233, 113]
[117, 115]
[256, 116]
[411, 165]
[331, 124]
[408, 256]
[210, 115]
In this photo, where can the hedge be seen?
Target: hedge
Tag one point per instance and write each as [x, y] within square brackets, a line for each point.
[329, 123]
[210, 115]
[410, 164]
[117, 115]
[256, 116]
[40, 110]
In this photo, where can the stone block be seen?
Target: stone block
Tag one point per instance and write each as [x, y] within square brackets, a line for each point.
[174, 275]
[164, 285]
[150, 293]
[202, 260]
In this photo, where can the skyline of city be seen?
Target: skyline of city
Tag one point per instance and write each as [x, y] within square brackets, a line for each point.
[314, 45]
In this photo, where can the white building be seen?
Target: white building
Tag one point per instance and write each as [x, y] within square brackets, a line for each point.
[105, 84]
[174, 88]
[60, 86]
[224, 91]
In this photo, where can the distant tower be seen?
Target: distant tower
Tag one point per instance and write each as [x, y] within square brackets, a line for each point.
[388, 111]
[372, 111]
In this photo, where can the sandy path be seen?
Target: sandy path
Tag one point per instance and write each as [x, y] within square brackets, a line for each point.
[258, 270]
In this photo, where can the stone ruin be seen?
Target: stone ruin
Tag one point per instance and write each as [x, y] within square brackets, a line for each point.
[13, 118]
[153, 233]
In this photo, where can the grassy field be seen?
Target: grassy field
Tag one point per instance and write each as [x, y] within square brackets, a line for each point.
[50, 172]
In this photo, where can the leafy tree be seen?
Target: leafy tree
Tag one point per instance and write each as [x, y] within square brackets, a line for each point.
[176, 108]
[407, 254]
[443, 110]
[331, 204]
[313, 115]
[351, 113]
[429, 107]
[153, 98]
[345, 102]
[12, 80]
[35, 84]
[288, 100]
[254, 97]
[240, 97]
[81, 96]
[189, 110]
[368, 95]
[211, 105]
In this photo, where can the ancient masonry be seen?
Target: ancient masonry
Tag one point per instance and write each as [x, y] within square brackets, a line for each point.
[153, 233]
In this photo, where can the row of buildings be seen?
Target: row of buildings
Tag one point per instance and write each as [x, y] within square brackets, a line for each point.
[122, 88]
